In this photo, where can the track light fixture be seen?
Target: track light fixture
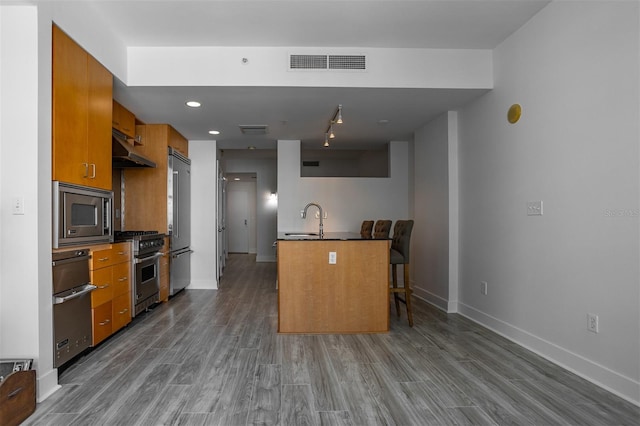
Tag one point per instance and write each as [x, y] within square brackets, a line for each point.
[338, 115]
[335, 119]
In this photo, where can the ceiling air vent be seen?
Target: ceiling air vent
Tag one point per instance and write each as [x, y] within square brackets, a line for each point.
[308, 62]
[328, 62]
[253, 129]
[347, 62]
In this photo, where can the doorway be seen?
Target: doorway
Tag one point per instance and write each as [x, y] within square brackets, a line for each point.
[241, 213]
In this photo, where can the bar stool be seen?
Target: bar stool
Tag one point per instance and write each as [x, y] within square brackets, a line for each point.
[399, 255]
[381, 229]
[366, 228]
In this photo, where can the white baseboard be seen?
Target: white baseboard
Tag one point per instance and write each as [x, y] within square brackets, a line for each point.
[435, 300]
[47, 384]
[622, 386]
[203, 285]
[263, 258]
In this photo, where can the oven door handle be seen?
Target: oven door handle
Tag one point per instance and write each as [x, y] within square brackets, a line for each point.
[86, 289]
[144, 259]
[71, 260]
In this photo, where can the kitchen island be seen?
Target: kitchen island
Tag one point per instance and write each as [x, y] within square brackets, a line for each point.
[335, 284]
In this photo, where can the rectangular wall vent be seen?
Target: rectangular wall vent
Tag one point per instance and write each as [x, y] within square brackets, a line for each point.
[328, 62]
[311, 164]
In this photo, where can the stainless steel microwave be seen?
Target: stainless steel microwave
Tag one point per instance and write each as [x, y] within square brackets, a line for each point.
[81, 215]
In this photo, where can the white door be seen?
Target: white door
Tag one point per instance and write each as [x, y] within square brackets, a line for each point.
[221, 210]
[238, 219]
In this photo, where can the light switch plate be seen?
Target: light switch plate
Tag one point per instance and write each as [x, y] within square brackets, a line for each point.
[17, 205]
[534, 208]
[332, 258]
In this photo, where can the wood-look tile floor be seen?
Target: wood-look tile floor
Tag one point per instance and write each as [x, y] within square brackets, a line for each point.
[214, 358]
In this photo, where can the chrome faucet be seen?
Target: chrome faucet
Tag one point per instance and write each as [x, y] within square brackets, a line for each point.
[304, 216]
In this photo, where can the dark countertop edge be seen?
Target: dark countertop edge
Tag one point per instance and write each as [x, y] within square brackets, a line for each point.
[328, 236]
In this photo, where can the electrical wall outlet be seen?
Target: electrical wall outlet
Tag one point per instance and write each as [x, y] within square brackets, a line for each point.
[592, 323]
[332, 258]
[483, 287]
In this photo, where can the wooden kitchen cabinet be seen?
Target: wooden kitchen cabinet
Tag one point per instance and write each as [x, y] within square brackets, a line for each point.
[103, 279]
[350, 296]
[146, 189]
[178, 142]
[164, 272]
[82, 93]
[123, 120]
[110, 268]
[102, 318]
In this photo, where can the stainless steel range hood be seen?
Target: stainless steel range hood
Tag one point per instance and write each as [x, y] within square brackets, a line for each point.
[125, 155]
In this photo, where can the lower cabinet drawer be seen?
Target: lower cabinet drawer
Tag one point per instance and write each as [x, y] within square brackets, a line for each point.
[121, 312]
[102, 317]
[121, 279]
[103, 279]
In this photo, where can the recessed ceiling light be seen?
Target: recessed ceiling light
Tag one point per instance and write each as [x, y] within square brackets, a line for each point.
[193, 104]
[251, 147]
[214, 132]
[236, 178]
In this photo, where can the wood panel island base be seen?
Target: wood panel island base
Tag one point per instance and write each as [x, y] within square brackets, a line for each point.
[348, 296]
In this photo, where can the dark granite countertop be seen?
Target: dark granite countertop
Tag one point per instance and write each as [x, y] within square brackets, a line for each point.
[305, 236]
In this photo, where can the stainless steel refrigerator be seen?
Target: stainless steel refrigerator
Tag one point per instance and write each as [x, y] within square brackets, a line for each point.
[179, 220]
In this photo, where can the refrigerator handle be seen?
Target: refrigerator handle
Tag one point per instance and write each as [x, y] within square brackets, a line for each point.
[176, 203]
[175, 256]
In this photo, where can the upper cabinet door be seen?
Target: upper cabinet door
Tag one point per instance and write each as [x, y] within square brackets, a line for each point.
[99, 128]
[70, 110]
[124, 120]
[82, 96]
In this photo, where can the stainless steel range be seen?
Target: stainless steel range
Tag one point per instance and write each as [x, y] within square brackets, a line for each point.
[145, 267]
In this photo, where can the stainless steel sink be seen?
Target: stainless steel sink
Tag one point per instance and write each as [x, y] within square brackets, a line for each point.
[301, 234]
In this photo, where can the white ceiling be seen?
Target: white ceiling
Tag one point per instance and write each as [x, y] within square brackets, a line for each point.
[303, 113]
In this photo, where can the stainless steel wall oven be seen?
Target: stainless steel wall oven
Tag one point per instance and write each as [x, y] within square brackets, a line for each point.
[71, 304]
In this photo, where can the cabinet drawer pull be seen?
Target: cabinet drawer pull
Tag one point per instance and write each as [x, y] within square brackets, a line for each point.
[103, 286]
[105, 322]
[103, 259]
[123, 311]
[123, 279]
[93, 175]
[121, 253]
[86, 169]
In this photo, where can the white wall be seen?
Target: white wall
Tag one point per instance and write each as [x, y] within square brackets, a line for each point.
[25, 172]
[434, 241]
[266, 207]
[574, 69]
[204, 226]
[347, 201]
[268, 66]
